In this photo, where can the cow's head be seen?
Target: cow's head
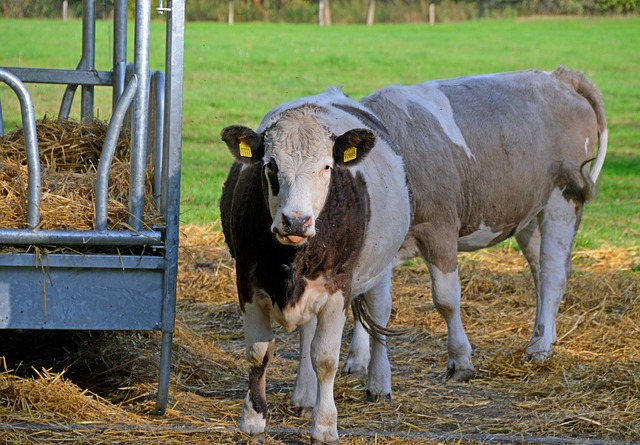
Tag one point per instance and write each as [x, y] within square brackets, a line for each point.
[298, 153]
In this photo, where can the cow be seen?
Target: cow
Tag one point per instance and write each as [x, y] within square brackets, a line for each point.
[489, 157]
[314, 209]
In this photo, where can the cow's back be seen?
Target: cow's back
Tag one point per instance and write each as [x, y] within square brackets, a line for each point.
[486, 151]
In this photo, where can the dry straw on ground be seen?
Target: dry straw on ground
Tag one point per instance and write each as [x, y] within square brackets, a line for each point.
[99, 387]
[69, 157]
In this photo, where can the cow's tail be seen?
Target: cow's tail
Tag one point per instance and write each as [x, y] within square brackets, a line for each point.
[590, 92]
[378, 332]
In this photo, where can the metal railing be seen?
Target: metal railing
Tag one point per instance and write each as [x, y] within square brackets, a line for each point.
[149, 105]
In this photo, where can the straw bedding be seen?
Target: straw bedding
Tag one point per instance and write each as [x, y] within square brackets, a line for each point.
[75, 387]
[69, 157]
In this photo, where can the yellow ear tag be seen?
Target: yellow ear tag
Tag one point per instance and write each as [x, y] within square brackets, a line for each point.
[350, 154]
[245, 150]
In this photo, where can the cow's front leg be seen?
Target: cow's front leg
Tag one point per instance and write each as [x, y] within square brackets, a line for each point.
[259, 349]
[306, 385]
[325, 353]
[445, 289]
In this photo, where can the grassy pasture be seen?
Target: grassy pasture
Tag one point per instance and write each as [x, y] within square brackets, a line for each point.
[235, 74]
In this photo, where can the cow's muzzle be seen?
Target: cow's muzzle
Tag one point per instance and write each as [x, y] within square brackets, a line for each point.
[294, 230]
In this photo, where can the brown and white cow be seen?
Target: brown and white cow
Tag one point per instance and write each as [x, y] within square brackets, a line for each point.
[314, 210]
[490, 157]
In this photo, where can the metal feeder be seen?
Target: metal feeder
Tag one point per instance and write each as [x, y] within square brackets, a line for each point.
[106, 291]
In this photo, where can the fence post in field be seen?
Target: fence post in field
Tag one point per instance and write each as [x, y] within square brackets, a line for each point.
[324, 13]
[371, 13]
[432, 13]
[231, 12]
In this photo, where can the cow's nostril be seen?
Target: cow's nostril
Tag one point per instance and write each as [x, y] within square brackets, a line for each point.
[296, 224]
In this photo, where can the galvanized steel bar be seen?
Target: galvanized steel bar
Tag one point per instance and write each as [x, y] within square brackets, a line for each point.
[128, 74]
[78, 76]
[67, 101]
[165, 371]
[156, 127]
[108, 152]
[81, 237]
[69, 94]
[119, 48]
[174, 70]
[84, 261]
[1, 120]
[88, 55]
[140, 115]
[31, 142]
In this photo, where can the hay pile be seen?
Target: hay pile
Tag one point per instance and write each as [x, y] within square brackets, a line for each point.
[100, 387]
[69, 156]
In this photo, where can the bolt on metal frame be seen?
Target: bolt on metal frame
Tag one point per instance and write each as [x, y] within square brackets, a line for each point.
[104, 291]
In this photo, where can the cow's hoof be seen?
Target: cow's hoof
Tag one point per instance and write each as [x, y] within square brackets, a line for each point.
[321, 442]
[537, 356]
[459, 375]
[371, 397]
[257, 438]
[306, 412]
[354, 370]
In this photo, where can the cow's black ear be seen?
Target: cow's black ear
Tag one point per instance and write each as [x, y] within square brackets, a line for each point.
[353, 146]
[244, 143]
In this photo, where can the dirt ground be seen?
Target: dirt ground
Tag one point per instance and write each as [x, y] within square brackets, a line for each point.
[98, 387]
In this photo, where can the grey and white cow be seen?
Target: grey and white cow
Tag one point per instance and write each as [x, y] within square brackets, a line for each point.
[314, 210]
[489, 157]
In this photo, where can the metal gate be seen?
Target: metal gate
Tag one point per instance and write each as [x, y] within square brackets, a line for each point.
[106, 291]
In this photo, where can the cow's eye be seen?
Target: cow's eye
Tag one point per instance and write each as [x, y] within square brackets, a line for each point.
[271, 172]
[271, 166]
[326, 168]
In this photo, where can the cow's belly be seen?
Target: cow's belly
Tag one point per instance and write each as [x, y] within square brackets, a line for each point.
[388, 226]
[377, 256]
[487, 235]
[483, 237]
[390, 217]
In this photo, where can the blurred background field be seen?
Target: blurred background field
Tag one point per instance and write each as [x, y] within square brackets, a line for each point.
[235, 74]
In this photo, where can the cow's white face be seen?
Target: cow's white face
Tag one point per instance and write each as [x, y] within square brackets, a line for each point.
[298, 159]
[298, 153]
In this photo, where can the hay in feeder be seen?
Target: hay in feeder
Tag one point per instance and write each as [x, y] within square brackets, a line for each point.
[69, 156]
[588, 392]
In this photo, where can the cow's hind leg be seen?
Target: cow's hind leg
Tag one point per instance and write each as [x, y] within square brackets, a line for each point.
[379, 304]
[357, 362]
[558, 223]
[259, 349]
[325, 354]
[306, 384]
[529, 242]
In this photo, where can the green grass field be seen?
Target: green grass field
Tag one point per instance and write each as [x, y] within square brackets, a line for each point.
[235, 74]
